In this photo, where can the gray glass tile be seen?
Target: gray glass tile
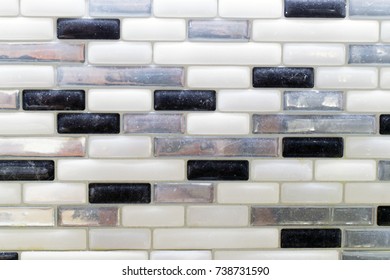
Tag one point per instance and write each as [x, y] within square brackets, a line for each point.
[372, 8]
[218, 147]
[49, 52]
[120, 7]
[365, 255]
[369, 54]
[9, 99]
[310, 124]
[267, 216]
[88, 216]
[384, 170]
[184, 192]
[120, 76]
[153, 123]
[365, 238]
[352, 216]
[210, 30]
[313, 100]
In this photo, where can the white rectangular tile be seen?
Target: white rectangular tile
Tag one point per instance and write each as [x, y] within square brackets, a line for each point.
[10, 193]
[119, 53]
[249, 100]
[278, 255]
[318, 30]
[347, 77]
[188, 8]
[217, 216]
[26, 216]
[282, 170]
[120, 170]
[180, 255]
[85, 255]
[250, 8]
[248, 193]
[345, 170]
[367, 147]
[108, 100]
[368, 101]
[54, 193]
[26, 123]
[32, 76]
[312, 193]
[119, 239]
[49, 8]
[26, 29]
[153, 216]
[153, 29]
[44, 239]
[385, 78]
[9, 8]
[314, 54]
[119, 146]
[217, 123]
[218, 77]
[373, 193]
[217, 53]
[209, 238]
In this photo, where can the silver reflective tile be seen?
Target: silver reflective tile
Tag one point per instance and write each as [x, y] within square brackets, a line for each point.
[153, 123]
[353, 216]
[220, 30]
[268, 216]
[365, 238]
[120, 76]
[184, 192]
[218, 147]
[374, 8]
[308, 124]
[384, 170]
[365, 255]
[50, 52]
[9, 99]
[119, 7]
[88, 216]
[42, 146]
[369, 54]
[313, 100]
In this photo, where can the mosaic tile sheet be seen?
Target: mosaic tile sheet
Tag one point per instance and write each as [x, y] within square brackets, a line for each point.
[197, 129]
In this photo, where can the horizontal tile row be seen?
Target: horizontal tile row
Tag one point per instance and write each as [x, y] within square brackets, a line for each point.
[288, 254]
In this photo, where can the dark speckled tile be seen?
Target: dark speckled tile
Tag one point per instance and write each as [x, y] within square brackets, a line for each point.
[53, 100]
[119, 193]
[88, 29]
[314, 8]
[230, 170]
[283, 77]
[331, 147]
[88, 123]
[184, 100]
[26, 170]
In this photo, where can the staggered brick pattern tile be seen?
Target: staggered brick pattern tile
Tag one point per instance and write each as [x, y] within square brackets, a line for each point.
[194, 129]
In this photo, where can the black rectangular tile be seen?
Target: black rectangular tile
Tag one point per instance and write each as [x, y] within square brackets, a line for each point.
[314, 8]
[331, 147]
[384, 124]
[283, 77]
[311, 238]
[184, 100]
[51, 100]
[383, 216]
[95, 123]
[88, 29]
[26, 170]
[7, 256]
[227, 170]
[119, 193]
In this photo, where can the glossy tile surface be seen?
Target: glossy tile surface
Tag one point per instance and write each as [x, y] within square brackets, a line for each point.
[218, 30]
[119, 193]
[92, 29]
[27, 170]
[311, 238]
[283, 77]
[153, 123]
[313, 147]
[315, 8]
[313, 100]
[227, 170]
[68, 123]
[189, 100]
[53, 100]
[120, 7]
[87, 216]
[184, 192]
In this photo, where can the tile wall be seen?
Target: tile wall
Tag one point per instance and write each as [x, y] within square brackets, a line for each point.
[196, 129]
